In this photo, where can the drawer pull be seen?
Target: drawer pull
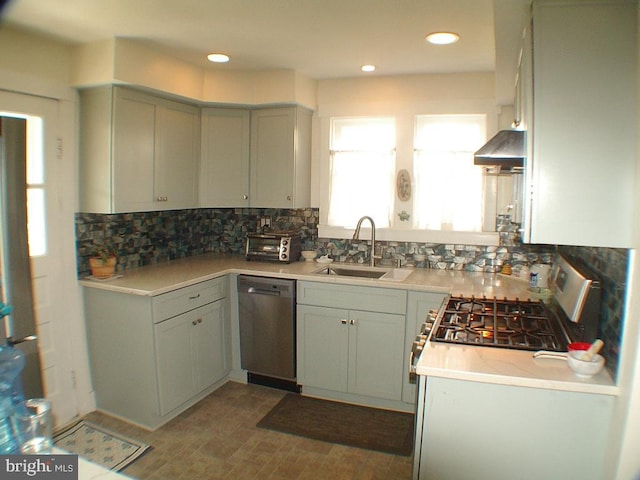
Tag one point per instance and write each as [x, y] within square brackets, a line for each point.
[194, 297]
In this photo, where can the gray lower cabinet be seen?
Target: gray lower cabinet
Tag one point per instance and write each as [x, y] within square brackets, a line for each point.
[190, 354]
[153, 357]
[354, 353]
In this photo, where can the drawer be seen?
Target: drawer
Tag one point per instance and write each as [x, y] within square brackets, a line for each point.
[372, 299]
[185, 299]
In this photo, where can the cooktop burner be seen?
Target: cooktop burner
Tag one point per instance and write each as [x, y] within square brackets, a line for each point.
[516, 324]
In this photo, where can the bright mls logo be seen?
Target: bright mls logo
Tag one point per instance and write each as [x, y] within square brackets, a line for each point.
[49, 467]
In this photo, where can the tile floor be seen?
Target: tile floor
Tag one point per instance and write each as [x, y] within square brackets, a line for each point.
[218, 439]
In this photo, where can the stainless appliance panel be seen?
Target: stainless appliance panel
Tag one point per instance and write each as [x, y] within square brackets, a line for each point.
[267, 326]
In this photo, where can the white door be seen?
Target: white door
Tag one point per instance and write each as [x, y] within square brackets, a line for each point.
[46, 224]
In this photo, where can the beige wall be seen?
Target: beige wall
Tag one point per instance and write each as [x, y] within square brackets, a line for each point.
[34, 64]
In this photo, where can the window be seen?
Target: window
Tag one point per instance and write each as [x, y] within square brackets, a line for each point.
[448, 186]
[362, 170]
[35, 185]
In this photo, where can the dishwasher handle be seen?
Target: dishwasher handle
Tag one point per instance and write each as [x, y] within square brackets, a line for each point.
[274, 287]
[262, 291]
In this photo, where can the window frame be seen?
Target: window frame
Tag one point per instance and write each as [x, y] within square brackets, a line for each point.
[404, 115]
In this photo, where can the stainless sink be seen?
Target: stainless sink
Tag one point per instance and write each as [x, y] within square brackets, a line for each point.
[393, 274]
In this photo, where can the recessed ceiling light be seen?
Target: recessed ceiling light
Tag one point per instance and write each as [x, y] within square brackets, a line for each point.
[218, 57]
[443, 38]
[368, 68]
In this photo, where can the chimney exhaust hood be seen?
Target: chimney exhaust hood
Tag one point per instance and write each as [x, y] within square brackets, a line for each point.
[504, 150]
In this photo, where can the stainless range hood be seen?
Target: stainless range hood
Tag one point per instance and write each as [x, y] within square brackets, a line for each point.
[505, 150]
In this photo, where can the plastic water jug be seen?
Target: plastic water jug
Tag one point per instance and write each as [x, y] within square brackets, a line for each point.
[11, 396]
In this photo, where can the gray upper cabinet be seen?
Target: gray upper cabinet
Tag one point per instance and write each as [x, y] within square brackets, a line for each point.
[582, 145]
[138, 152]
[280, 166]
[259, 158]
[224, 180]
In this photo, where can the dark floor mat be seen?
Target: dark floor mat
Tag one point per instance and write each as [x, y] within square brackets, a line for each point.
[352, 425]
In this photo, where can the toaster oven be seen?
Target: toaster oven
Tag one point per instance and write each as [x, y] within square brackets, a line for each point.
[273, 247]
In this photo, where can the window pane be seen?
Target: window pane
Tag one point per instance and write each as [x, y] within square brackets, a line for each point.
[36, 222]
[361, 184]
[35, 163]
[362, 170]
[462, 133]
[363, 134]
[448, 185]
[35, 177]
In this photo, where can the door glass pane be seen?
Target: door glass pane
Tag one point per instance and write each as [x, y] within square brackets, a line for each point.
[35, 183]
[36, 222]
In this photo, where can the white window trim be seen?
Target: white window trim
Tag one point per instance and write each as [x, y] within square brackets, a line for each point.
[413, 235]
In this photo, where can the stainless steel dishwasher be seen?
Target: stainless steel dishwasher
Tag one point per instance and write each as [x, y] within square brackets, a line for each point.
[267, 311]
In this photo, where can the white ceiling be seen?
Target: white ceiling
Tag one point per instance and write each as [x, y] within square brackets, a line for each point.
[318, 38]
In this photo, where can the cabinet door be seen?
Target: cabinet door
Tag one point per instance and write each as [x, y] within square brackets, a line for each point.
[134, 134]
[178, 151]
[224, 180]
[323, 343]
[210, 353]
[376, 352]
[584, 123]
[272, 157]
[174, 360]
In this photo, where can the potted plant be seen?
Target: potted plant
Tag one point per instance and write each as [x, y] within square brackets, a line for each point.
[103, 262]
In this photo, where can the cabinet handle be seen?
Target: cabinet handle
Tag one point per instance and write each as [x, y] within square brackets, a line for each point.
[194, 297]
[245, 197]
[352, 322]
[162, 199]
[194, 322]
[343, 321]
[199, 320]
[289, 197]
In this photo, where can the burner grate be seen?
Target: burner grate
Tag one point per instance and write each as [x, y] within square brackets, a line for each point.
[516, 324]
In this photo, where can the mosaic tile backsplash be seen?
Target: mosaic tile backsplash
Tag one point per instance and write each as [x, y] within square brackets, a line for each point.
[145, 238]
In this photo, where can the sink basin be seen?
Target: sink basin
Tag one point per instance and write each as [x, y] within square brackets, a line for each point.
[393, 274]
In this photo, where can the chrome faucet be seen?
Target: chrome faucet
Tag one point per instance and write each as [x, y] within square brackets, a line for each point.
[356, 236]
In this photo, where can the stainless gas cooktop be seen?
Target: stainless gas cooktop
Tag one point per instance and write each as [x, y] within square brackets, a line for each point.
[571, 315]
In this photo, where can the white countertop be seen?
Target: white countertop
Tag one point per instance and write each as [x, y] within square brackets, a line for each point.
[474, 363]
[508, 367]
[161, 278]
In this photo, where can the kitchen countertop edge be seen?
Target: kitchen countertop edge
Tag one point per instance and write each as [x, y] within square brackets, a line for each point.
[508, 367]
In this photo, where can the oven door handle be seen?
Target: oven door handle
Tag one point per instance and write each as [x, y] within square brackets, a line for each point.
[547, 354]
[412, 365]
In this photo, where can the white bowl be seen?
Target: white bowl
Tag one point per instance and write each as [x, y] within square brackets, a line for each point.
[324, 260]
[582, 368]
[309, 255]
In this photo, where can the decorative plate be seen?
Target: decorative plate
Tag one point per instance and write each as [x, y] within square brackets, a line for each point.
[403, 185]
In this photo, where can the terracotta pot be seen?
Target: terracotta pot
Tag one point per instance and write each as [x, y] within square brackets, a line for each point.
[102, 268]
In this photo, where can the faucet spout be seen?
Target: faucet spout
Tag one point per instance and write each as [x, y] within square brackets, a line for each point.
[356, 236]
